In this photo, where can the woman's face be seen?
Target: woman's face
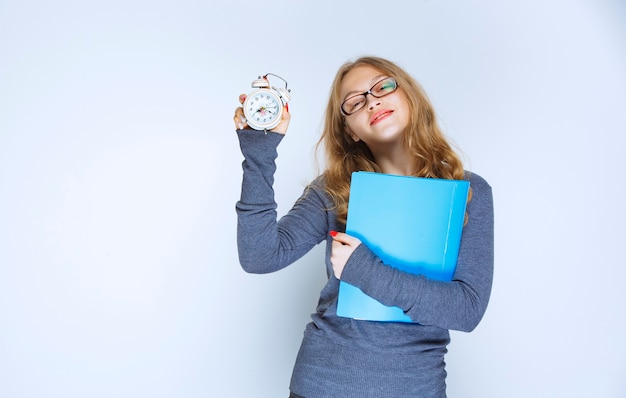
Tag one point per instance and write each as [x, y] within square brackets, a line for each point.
[382, 121]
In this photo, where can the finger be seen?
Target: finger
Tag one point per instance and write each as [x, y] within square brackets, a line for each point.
[238, 122]
[242, 98]
[239, 111]
[335, 244]
[344, 238]
[239, 119]
[284, 122]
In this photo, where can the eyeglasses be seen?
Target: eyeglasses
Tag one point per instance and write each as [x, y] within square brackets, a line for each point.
[357, 102]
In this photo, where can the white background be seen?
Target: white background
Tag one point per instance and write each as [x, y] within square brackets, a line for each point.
[120, 169]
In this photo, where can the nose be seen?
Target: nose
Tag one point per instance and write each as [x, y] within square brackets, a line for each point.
[371, 101]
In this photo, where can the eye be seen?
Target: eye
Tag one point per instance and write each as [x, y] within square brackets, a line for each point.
[355, 104]
[386, 86]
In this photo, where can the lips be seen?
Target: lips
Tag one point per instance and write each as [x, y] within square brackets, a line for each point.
[378, 116]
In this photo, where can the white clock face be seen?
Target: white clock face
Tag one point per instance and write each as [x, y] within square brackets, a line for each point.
[262, 109]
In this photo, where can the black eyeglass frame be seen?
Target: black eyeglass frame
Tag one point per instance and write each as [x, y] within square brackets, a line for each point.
[369, 92]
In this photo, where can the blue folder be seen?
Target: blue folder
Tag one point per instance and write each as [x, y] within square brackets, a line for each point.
[411, 223]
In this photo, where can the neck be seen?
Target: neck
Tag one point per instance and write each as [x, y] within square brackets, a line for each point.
[398, 162]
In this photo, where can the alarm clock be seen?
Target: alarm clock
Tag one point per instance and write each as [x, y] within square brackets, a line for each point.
[263, 107]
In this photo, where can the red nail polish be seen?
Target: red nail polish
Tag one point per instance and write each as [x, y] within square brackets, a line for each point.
[333, 233]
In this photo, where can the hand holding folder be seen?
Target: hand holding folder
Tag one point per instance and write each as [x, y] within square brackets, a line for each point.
[427, 218]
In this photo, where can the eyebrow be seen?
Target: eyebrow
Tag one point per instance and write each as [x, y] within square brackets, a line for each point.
[374, 80]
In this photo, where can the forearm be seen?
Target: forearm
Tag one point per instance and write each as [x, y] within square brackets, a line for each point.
[256, 209]
[266, 244]
[455, 305]
[458, 304]
[260, 152]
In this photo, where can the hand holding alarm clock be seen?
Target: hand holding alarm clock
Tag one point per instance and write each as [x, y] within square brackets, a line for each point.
[265, 107]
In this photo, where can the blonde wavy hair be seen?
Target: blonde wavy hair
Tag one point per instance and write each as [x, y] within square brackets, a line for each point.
[433, 156]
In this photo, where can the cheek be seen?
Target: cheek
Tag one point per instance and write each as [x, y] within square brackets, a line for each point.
[404, 111]
[357, 122]
[352, 130]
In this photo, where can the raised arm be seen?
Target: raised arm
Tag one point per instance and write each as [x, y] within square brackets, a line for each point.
[266, 244]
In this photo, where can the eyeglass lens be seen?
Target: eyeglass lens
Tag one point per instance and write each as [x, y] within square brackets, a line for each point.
[355, 103]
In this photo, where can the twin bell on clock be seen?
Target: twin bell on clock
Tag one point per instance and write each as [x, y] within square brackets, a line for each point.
[263, 107]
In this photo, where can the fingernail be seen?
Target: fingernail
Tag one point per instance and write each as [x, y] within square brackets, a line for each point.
[333, 233]
[287, 107]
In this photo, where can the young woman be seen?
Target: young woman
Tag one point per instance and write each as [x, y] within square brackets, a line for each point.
[378, 119]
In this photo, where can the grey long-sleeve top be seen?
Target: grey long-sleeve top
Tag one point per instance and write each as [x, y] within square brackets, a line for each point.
[346, 357]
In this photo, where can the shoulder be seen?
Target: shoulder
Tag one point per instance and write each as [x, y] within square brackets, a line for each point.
[481, 196]
[477, 182]
[319, 182]
[317, 187]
